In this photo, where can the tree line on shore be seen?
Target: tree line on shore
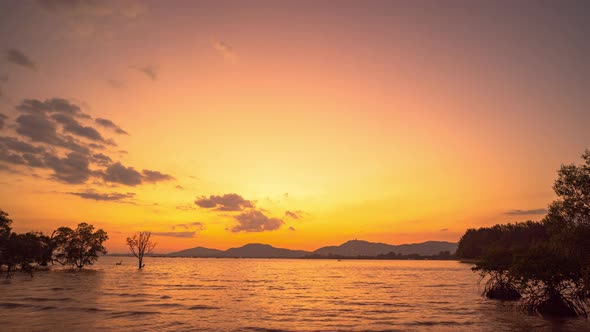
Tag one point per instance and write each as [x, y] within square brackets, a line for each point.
[442, 255]
[25, 252]
[546, 263]
[74, 248]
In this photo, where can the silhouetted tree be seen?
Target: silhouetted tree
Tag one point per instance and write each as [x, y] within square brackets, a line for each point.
[569, 217]
[547, 262]
[5, 229]
[24, 250]
[550, 280]
[573, 191]
[141, 244]
[79, 247]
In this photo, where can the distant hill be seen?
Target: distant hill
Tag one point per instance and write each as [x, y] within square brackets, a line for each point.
[198, 252]
[364, 248]
[252, 250]
[257, 250]
[351, 248]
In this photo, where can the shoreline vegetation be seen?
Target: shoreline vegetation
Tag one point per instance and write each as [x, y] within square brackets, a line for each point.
[543, 264]
[34, 251]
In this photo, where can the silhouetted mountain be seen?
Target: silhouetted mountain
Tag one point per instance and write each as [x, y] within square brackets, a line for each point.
[364, 248]
[257, 250]
[198, 252]
[352, 248]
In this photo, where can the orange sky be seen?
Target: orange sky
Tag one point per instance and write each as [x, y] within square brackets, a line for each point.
[378, 120]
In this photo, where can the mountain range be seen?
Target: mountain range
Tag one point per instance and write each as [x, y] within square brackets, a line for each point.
[351, 248]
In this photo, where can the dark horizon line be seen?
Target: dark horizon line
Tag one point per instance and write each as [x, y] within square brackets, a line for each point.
[264, 244]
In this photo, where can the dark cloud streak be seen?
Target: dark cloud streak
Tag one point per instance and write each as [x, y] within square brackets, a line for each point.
[107, 197]
[175, 234]
[526, 212]
[18, 58]
[110, 125]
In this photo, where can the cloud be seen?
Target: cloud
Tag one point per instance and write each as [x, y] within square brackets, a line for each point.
[11, 158]
[39, 128]
[115, 83]
[193, 225]
[74, 127]
[294, 214]
[526, 212]
[225, 51]
[107, 197]
[149, 71]
[2, 120]
[256, 221]
[155, 176]
[179, 187]
[110, 125]
[118, 173]
[72, 169]
[52, 105]
[18, 58]
[444, 229]
[53, 134]
[175, 234]
[186, 207]
[227, 202]
[34, 160]
[17, 145]
[102, 159]
[15, 151]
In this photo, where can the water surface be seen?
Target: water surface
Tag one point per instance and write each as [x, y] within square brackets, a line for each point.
[177, 294]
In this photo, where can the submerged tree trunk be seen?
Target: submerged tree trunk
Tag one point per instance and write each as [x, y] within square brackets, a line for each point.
[140, 245]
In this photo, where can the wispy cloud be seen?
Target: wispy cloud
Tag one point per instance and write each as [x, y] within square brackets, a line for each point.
[176, 234]
[106, 123]
[298, 214]
[18, 58]
[149, 71]
[225, 51]
[196, 225]
[186, 207]
[116, 83]
[526, 212]
[2, 119]
[108, 197]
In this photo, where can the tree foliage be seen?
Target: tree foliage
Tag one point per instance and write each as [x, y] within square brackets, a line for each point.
[22, 251]
[79, 247]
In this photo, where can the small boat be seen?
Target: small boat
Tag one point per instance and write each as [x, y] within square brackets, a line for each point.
[120, 263]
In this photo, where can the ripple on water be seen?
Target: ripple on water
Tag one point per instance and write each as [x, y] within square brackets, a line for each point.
[203, 307]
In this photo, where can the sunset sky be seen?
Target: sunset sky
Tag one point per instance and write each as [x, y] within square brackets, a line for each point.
[293, 123]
